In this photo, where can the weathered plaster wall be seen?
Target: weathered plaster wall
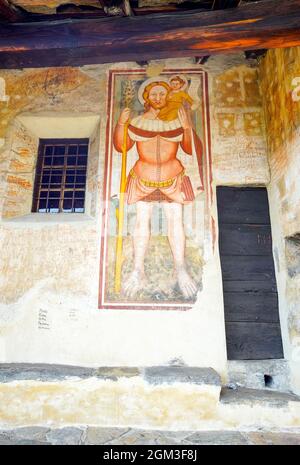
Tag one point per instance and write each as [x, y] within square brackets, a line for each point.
[50, 263]
[280, 79]
[18, 161]
[238, 128]
[133, 402]
[41, 104]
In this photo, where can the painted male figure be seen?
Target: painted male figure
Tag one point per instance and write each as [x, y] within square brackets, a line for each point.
[158, 175]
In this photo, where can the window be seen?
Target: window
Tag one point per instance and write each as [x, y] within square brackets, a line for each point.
[60, 176]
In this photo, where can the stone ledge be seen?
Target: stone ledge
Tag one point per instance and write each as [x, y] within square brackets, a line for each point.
[181, 374]
[252, 397]
[161, 398]
[152, 375]
[48, 373]
[155, 397]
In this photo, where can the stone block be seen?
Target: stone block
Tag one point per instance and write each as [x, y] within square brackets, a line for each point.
[251, 374]
[45, 372]
[65, 436]
[224, 438]
[251, 397]
[274, 439]
[181, 374]
[95, 436]
[152, 437]
[34, 435]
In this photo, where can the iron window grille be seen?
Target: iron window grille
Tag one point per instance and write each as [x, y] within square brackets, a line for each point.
[60, 177]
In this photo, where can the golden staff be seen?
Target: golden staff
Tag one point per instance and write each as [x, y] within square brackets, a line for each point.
[128, 95]
[120, 214]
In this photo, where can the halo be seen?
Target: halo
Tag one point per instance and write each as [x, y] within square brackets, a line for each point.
[181, 77]
[149, 81]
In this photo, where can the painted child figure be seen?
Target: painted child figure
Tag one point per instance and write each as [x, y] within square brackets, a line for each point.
[177, 98]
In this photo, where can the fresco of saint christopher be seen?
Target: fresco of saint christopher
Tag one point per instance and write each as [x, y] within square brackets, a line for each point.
[158, 175]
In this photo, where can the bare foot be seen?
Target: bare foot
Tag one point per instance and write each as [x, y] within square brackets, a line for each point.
[134, 283]
[186, 283]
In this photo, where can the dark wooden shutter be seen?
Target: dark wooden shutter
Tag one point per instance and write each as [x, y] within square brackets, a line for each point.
[249, 284]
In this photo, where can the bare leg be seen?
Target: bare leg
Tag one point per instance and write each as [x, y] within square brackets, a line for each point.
[141, 236]
[176, 238]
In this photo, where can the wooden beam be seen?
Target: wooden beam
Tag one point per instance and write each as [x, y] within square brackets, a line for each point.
[218, 5]
[117, 7]
[222, 4]
[266, 24]
[10, 12]
[185, 5]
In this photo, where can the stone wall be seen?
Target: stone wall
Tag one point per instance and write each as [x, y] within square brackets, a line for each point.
[280, 79]
[50, 263]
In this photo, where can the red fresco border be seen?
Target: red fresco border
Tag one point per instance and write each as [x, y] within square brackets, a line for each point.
[104, 208]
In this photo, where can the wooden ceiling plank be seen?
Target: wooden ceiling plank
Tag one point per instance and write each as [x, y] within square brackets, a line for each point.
[218, 5]
[10, 12]
[266, 24]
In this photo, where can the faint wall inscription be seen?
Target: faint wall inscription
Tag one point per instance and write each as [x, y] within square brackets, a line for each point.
[43, 319]
[73, 314]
